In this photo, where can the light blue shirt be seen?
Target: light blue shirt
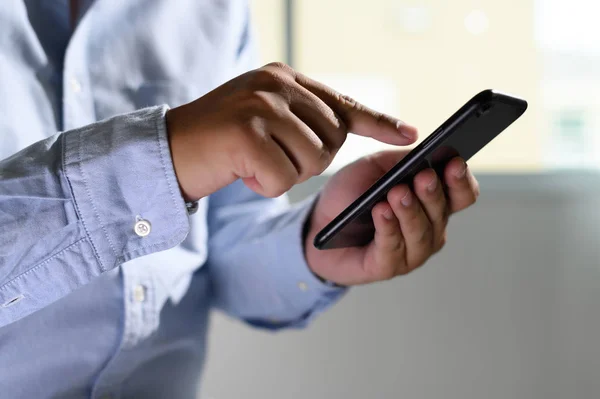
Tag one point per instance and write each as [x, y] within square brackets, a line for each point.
[106, 282]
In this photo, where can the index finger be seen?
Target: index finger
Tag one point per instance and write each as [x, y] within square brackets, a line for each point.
[360, 119]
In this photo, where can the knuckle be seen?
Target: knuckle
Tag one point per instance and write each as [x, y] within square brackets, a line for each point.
[262, 75]
[271, 79]
[379, 118]
[335, 129]
[340, 126]
[347, 101]
[263, 102]
[252, 129]
[279, 65]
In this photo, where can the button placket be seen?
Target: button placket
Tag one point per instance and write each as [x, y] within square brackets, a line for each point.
[75, 85]
[139, 293]
[141, 318]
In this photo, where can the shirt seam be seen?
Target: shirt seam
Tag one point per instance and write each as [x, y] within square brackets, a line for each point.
[76, 202]
[42, 263]
[159, 129]
[91, 199]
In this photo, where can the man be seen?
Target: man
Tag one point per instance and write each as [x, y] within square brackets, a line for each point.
[119, 234]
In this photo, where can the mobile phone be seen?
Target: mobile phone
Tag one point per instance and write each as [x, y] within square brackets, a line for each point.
[466, 132]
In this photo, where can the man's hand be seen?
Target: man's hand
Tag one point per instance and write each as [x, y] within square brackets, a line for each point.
[410, 226]
[273, 128]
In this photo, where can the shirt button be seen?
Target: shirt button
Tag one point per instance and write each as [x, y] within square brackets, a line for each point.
[302, 286]
[139, 293]
[142, 227]
[75, 85]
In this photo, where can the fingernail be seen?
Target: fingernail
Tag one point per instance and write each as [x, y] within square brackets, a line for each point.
[432, 185]
[389, 215]
[401, 127]
[462, 171]
[407, 199]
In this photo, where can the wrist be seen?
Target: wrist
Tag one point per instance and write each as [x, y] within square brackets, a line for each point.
[307, 238]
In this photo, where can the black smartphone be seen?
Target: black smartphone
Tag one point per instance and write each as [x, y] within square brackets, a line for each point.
[466, 132]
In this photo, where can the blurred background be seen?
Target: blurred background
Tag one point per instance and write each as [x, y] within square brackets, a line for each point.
[511, 307]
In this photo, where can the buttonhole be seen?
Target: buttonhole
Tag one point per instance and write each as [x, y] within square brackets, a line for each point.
[13, 301]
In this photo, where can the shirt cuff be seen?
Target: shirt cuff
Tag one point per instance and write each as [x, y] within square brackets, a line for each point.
[296, 282]
[124, 186]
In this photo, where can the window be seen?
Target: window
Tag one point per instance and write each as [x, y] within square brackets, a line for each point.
[421, 59]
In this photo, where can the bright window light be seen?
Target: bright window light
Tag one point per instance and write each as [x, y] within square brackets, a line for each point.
[476, 22]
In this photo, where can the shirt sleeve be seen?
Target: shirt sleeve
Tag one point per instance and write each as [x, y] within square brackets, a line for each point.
[256, 260]
[69, 207]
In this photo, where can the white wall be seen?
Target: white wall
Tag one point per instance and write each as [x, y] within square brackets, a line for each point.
[510, 309]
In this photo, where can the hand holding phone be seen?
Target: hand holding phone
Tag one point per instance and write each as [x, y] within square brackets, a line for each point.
[472, 127]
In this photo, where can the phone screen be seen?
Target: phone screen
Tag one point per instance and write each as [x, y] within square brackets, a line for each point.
[464, 134]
